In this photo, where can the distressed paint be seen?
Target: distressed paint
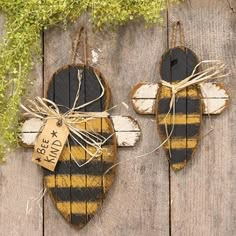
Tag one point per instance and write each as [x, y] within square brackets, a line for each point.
[145, 90]
[30, 130]
[215, 98]
[127, 139]
[125, 123]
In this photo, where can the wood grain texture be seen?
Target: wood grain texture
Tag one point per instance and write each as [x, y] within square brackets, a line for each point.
[20, 180]
[202, 195]
[138, 202]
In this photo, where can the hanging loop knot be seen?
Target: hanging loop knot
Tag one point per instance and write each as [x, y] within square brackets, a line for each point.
[177, 28]
[75, 46]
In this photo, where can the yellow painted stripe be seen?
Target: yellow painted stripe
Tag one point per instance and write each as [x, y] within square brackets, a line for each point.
[97, 125]
[92, 207]
[78, 207]
[64, 208]
[107, 182]
[107, 153]
[79, 153]
[179, 119]
[50, 181]
[63, 181]
[165, 92]
[94, 124]
[176, 143]
[65, 155]
[179, 166]
[106, 126]
[78, 181]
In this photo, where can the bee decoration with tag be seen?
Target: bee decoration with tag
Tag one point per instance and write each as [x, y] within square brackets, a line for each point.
[186, 91]
[78, 186]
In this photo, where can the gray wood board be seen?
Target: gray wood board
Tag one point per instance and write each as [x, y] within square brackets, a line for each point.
[202, 195]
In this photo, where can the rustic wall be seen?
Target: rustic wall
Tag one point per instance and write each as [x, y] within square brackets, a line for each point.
[147, 198]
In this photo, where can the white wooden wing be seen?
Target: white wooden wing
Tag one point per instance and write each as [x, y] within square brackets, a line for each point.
[29, 131]
[215, 98]
[143, 97]
[126, 128]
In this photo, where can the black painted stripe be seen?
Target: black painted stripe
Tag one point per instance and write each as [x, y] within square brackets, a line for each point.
[77, 194]
[73, 74]
[192, 61]
[63, 88]
[80, 219]
[180, 155]
[183, 131]
[93, 91]
[94, 167]
[184, 105]
[178, 64]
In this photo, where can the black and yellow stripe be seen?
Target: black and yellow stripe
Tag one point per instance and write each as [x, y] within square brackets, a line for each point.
[78, 192]
[176, 65]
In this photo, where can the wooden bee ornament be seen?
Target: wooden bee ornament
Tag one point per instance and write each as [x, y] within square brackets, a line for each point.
[78, 185]
[179, 100]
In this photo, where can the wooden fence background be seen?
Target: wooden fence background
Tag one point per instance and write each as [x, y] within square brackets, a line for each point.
[147, 197]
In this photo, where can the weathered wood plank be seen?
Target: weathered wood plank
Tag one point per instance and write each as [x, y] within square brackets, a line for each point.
[20, 180]
[138, 202]
[203, 194]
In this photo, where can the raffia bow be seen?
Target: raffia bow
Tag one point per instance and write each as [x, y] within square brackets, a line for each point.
[46, 109]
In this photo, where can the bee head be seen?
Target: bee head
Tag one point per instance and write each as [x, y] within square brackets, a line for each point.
[177, 64]
[64, 85]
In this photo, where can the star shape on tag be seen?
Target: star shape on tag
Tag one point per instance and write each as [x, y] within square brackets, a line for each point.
[54, 134]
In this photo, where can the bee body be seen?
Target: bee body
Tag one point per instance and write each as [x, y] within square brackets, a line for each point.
[78, 192]
[184, 119]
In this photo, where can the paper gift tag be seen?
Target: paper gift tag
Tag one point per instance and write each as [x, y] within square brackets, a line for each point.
[50, 143]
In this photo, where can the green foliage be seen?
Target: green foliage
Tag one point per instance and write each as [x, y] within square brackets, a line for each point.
[25, 21]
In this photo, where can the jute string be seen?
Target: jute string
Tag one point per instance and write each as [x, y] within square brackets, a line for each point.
[76, 44]
[35, 200]
[177, 27]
